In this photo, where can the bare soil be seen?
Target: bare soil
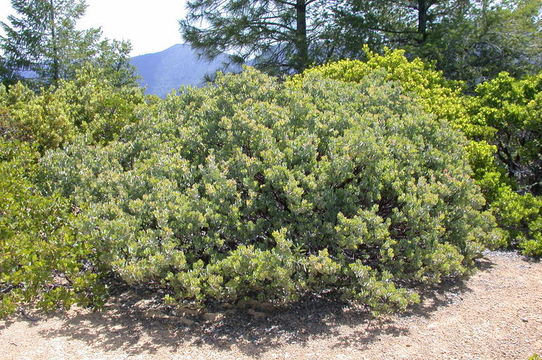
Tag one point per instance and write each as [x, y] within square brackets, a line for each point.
[496, 314]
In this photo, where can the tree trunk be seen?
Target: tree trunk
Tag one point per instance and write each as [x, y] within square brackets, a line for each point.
[55, 66]
[302, 46]
[422, 19]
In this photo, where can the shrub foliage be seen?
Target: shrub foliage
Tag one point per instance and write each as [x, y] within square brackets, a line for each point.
[253, 188]
[502, 124]
[90, 104]
[512, 109]
[42, 262]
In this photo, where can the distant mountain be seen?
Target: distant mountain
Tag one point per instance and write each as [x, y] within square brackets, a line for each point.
[174, 67]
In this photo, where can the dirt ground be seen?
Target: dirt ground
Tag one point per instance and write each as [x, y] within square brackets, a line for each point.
[496, 314]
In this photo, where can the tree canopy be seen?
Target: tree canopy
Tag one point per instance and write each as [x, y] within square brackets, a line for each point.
[276, 35]
[468, 40]
[41, 44]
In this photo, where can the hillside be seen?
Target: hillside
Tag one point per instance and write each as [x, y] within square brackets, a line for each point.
[174, 67]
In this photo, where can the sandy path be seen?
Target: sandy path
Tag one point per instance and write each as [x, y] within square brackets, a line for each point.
[496, 314]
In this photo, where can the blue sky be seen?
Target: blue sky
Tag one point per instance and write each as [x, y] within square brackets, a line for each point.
[150, 26]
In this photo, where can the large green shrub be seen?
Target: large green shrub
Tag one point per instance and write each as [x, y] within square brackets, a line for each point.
[41, 260]
[498, 120]
[253, 188]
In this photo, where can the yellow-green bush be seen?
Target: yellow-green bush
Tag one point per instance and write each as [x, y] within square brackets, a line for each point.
[513, 110]
[42, 261]
[39, 119]
[483, 119]
[89, 104]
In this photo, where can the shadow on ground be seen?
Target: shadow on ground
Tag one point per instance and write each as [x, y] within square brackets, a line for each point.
[125, 325]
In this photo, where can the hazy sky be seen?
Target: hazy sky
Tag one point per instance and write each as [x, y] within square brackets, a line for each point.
[149, 25]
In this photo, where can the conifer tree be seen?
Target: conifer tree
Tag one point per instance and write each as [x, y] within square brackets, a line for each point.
[42, 44]
[280, 35]
[468, 40]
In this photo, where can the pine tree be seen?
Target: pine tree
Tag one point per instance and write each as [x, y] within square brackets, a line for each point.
[279, 35]
[468, 40]
[42, 45]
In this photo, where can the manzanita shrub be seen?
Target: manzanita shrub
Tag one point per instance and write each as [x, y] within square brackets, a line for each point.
[42, 263]
[254, 188]
[501, 122]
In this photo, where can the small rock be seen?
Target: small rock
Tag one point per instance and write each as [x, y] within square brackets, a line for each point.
[186, 321]
[145, 303]
[525, 320]
[245, 303]
[256, 314]
[266, 307]
[184, 311]
[212, 316]
[156, 314]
